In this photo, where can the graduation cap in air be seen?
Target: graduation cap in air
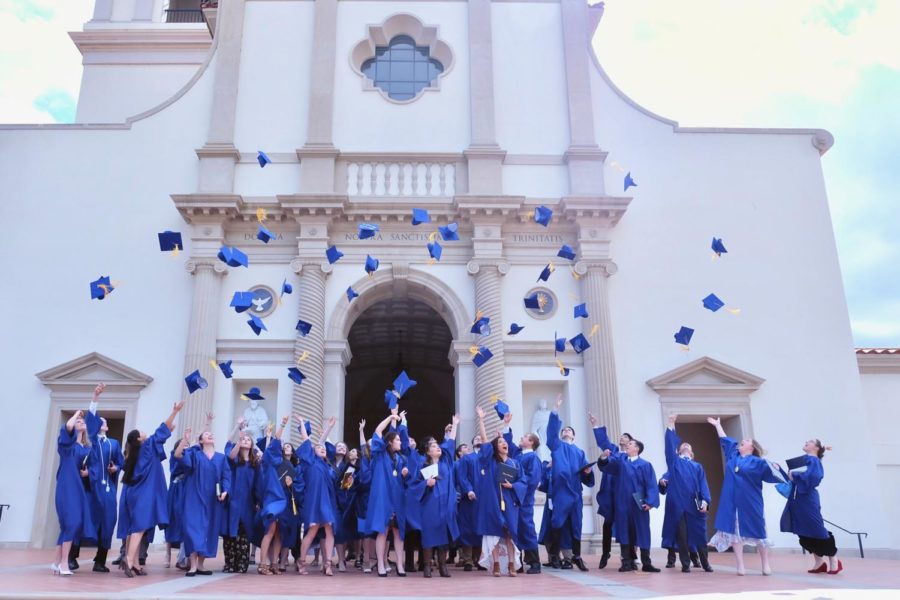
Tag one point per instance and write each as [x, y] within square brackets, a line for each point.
[195, 382]
[254, 394]
[581, 311]
[242, 301]
[233, 257]
[481, 356]
[545, 274]
[579, 343]
[371, 265]
[713, 303]
[169, 241]
[226, 369]
[718, 247]
[286, 288]
[264, 235]
[482, 326]
[683, 336]
[566, 252]
[532, 302]
[256, 324]
[403, 384]
[303, 327]
[435, 250]
[295, 375]
[333, 254]
[263, 159]
[307, 425]
[390, 399]
[101, 288]
[542, 215]
[367, 230]
[559, 344]
[515, 328]
[563, 370]
[449, 232]
[502, 408]
[629, 182]
[351, 294]
[419, 216]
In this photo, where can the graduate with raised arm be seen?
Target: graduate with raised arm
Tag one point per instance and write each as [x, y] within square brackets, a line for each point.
[532, 470]
[174, 532]
[319, 500]
[363, 483]
[412, 537]
[635, 495]
[144, 505]
[241, 505]
[274, 493]
[467, 473]
[436, 495]
[802, 514]
[73, 505]
[687, 500]
[346, 532]
[740, 519]
[499, 502]
[606, 495]
[569, 471]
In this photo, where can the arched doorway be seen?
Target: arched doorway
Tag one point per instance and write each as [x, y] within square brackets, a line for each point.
[390, 336]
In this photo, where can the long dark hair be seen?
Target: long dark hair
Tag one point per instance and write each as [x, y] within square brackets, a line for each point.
[495, 445]
[389, 438]
[251, 454]
[132, 449]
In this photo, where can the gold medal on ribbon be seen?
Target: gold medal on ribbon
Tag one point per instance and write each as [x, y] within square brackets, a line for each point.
[395, 472]
[737, 469]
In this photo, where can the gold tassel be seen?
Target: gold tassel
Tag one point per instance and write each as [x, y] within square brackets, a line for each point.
[260, 214]
[502, 501]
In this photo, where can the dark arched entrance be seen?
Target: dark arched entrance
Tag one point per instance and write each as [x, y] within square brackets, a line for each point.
[391, 336]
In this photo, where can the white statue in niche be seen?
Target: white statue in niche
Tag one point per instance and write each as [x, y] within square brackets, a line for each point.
[539, 426]
[255, 415]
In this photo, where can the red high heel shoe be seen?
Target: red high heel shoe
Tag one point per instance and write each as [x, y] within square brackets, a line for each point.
[823, 568]
[838, 570]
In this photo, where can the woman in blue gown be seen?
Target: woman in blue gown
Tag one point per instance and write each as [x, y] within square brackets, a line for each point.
[144, 498]
[319, 501]
[740, 519]
[346, 532]
[274, 492]
[175, 504]
[73, 506]
[241, 504]
[289, 520]
[363, 483]
[802, 514]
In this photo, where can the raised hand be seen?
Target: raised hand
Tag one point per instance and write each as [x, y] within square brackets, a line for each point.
[402, 415]
[210, 416]
[362, 424]
[714, 421]
[455, 420]
[593, 420]
[605, 454]
[559, 401]
[79, 414]
[241, 423]
[507, 418]
[297, 419]
[395, 409]
[176, 408]
[480, 412]
[284, 420]
[672, 419]
[99, 390]
[187, 434]
[331, 421]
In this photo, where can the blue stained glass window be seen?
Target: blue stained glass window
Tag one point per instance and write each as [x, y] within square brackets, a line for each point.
[401, 68]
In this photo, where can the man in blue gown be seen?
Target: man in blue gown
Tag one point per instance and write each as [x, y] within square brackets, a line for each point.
[524, 453]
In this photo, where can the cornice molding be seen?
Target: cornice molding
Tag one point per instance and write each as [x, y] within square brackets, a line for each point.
[706, 377]
[537, 353]
[141, 40]
[871, 364]
[256, 352]
[66, 375]
[200, 208]
[602, 210]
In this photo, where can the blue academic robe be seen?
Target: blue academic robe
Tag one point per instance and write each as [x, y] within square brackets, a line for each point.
[270, 491]
[496, 518]
[741, 499]
[567, 479]
[532, 470]
[319, 500]
[686, 486]
[803, 513]
[145, 496]
[632, 476]
[241, 502]
[606, 502]
[345, 528]
[73, 506]
[547, 515]
[289, 521]
[439, 501]
[467, 474]
[387, 496]
[363, 484]
[204, 514]
[414, 462]
[104, 486]
[175, 501]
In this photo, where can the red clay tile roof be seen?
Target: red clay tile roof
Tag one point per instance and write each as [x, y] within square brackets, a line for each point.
[878, 350]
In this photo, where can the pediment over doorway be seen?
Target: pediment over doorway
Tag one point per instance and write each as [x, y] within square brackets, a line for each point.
[89, 369]
[706, 375]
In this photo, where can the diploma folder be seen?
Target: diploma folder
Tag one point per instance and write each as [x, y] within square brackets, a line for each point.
[798, 462]
[430, 471]
[638, 500]
[285, 469]
[506, 472]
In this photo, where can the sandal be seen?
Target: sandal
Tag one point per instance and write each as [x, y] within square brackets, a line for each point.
[327, 570]
[301, 569]
[496, 569]
[512, 569]
[263, 570]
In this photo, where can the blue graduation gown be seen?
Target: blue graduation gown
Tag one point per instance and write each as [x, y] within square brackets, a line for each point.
[241, 501]
[271, 494]
[145, 496]
[104, 508]
[346, 529]
[492, 518]
[204, 514]
[741, 496]
[414, 462]
[606, 504]
[547, 515]
[567, 478]
[387, 496]
[73, 507]
[363, 484]
[467, 474]
[319, 500]
[803, 513]
[175, 501]
[686, 483]
[635, 476]
[289, 521]
[438, 502]
[532, 471]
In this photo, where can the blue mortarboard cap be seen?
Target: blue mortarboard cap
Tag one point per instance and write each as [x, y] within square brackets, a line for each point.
[256, 324]
[264, 235]
[420, 215]
[502, 408]
[713, 303]
[482, 356]
[263, 159]
[563, 370]
[303, 327]
[545, 274]
[307, 425]
[629, 182]
[579, 343]
[542, 215]
[514, 329]
[254, 394]
[351, 294]
[532, 302]
[559, 344]
[449, 232]
[371, 264]
[684, 335]
[195, 382]
[435, 250]
[390, 399]
[233, 257]
[286, 288]
[566, 252]
[101, 288]
[581, 311]
[403, 383]
[242, 301]
[482, 326]
[226, 369]
[367, 230]
[333, 254]
[295, 375]
[718, 247]
[169, 241]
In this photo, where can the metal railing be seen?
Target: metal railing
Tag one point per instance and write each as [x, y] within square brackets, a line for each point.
[859, 536]
[184, 16]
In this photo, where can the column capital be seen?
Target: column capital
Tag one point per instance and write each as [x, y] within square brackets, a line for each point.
[299, 265]
[607, 268]
[474, 266]
[214, 264]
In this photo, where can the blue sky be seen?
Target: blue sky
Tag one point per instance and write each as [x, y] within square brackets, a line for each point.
[833, 64]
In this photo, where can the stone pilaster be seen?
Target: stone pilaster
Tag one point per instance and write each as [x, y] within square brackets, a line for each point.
[309, 397]
[490, 378]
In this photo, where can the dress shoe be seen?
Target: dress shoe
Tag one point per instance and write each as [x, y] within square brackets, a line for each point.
[838, 570]
[467, 568]
[117, 562]
[579, 563]
[823, 568]
[73, 564]
[554, 563]
[684, 569]
[627, 565]
[566, 565]
[534, 569]
[99, 568]
[604, 560]
[648, 568]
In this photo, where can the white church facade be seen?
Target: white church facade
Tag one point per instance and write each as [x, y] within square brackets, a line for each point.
[479, 112]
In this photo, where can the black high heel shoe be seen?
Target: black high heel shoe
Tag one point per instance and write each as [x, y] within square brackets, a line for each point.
[123, 566]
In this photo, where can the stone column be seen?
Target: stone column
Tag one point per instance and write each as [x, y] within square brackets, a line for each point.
[102, 10]
[309, 397]
[490, 378]
[461, 360]
[202, 332]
